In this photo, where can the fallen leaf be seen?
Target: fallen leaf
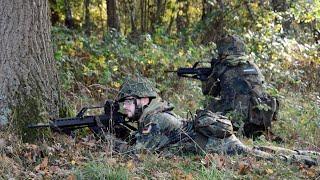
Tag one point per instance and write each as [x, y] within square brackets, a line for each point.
[310, 172]
[112, 161]
[54, 168]
[28, 155]
[37, 168]
[2, 143]
[243, 168]
[189, 177]
[71, 177]
[220, 161]
[130, 165]
[44, 163]
[177, 174]
[207, 160]
[89, 144]
[33, 146]
[269, 171]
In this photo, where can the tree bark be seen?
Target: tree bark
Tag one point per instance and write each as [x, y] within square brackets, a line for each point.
[55, 18]
[159, 13]
[87, 25]
[130, 8]
[29, 88]
[68, 13]
[206, 9]
[112, 15]
[215, 25]
[182, 20]
[143, 15]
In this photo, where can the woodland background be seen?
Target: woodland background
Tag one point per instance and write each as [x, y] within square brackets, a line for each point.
[61, 55]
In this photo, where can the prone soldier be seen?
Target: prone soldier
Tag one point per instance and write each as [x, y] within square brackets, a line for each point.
[160, 129]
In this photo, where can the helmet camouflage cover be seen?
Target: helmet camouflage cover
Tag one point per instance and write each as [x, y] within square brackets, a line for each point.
[231, 45]
[137, 87]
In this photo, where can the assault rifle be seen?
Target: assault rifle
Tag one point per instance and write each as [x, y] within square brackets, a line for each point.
[195, 72]
[110, 120]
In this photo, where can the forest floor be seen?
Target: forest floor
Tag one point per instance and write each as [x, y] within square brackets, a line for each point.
[85, 157]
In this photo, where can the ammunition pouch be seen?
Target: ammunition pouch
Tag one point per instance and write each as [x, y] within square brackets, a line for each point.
[212, 125]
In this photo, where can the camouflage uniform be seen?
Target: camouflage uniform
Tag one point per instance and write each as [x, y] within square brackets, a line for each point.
[159, 128]
[237, 87]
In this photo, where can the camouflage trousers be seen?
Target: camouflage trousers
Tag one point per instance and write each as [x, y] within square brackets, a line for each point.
[232, 145]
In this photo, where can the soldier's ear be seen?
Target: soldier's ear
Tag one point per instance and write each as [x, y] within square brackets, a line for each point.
[144, 101]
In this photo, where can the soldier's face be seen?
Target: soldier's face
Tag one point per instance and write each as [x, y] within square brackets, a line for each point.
[129, 106]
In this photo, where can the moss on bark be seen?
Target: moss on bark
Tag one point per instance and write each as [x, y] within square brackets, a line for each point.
[29, 110]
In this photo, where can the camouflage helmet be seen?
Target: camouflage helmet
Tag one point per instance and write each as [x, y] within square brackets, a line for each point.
[230, 45]
[137, 87]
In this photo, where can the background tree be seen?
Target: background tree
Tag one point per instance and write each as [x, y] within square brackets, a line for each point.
[55, 16]
[87, 23]
[29, 88]
[112, 15]
[68, 21]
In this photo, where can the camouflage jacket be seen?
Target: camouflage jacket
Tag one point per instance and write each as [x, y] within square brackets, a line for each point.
[237, 85]
[233, 79]
[156, 126]
[159, 129]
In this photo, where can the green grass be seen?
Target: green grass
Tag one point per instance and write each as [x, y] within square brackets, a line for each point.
[99, 170]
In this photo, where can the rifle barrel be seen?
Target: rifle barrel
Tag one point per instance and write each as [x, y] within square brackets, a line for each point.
[39, 125]
[170, 71]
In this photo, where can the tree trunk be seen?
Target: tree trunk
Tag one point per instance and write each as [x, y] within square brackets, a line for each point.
[130, 9]
[87, 25]
[156, 19]
[68, 13]
[112, 15]
[143, 15]
[216, 24]
[206, 9]
[182, 20]
[29, 89]
[55, 18]
[282, 6]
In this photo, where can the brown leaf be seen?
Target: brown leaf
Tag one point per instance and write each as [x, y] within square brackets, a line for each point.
[28, 155]
[89, 144]
[207, 160]
[310, 172]
[130, 165]
[112, 161]
[54, 168]
[2, 143]
[33, 146]
[72, 177]
[220, 161]
[189, 177]
[269, 171]
[44, 163]
[177, 174]
[37, 168]
[243, 168]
